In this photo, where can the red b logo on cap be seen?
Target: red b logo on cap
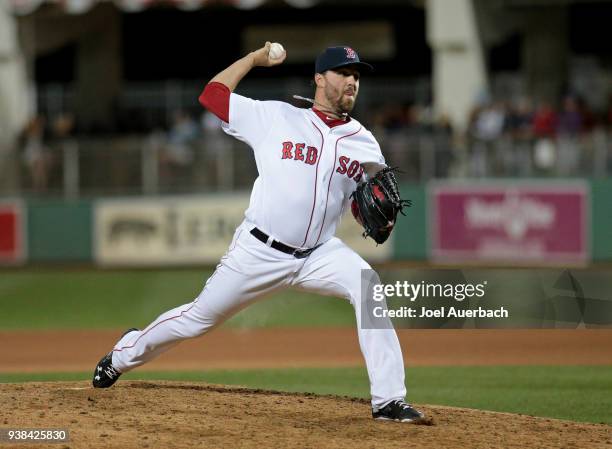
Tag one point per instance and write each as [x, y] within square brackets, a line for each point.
[350, 53]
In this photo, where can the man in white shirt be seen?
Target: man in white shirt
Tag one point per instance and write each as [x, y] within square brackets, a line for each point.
[309, 163]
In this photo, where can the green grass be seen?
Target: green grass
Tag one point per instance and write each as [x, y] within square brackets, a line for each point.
[97, 299]
[579, 393]
[54, 299]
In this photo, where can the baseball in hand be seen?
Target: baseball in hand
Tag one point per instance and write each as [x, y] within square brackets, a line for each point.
[276, 51]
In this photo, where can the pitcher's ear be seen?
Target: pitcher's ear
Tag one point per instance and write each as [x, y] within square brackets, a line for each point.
[319, 80]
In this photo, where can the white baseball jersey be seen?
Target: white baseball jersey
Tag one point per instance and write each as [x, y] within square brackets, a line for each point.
[307, 170]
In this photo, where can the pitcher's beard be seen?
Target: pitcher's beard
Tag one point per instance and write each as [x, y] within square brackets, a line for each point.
[346, 106]
[340, 104]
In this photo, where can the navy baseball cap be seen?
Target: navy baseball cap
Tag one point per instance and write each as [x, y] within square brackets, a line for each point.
[335, 57]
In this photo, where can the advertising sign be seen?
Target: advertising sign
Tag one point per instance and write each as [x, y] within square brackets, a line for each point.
[12, 232]
[187, 230]
[178, 230]
[510, 222]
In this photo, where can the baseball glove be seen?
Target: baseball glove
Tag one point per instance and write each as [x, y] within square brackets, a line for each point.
[376, 203]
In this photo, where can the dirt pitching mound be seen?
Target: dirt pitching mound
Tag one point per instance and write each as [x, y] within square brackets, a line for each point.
[185, 415]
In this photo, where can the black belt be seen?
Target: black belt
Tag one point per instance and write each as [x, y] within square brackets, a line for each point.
[297, 253]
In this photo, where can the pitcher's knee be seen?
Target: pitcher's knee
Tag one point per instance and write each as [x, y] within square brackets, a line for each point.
[365, 288]
[204, 317]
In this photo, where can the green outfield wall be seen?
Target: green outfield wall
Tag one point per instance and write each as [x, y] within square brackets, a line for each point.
[410, 235]
[601, 212]
[58, 231]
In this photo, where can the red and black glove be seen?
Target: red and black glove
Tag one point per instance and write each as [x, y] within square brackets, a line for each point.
[376, 203]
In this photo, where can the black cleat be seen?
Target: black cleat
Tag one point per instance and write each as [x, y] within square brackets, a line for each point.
[398, 411]
[105, 374]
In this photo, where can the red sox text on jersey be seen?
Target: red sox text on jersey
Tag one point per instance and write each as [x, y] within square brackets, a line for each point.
[353, 169]
[296, 152]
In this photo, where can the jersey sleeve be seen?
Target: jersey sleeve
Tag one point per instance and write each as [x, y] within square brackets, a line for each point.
[251, 120]
[215, 98]
[371, 156]
[379, 159]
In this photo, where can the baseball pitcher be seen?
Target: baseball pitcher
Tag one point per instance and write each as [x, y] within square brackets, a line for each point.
[312, 165]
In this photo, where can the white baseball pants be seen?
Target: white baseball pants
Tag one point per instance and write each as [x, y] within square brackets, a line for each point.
[249, 270]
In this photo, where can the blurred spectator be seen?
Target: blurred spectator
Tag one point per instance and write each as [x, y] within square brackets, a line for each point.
[487, 128]
[211, 126]
[545, 121]
[444, 146]
[181, 137]
[569, 122]
[569, 126]
[178, 153]
[220, 162]
[520, 120]
[423, 118]
[37, 155]
[489, 123]
[544, 155]
[66, 146]
[545, 128]
[443, 125]
[519, 127]
[63, 125]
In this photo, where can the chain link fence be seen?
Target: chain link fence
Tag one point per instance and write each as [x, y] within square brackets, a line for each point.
[152, 164]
